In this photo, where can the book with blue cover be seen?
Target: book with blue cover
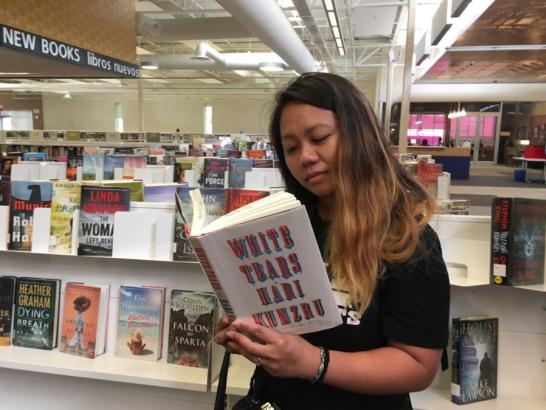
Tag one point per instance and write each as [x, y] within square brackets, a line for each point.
[140, 322]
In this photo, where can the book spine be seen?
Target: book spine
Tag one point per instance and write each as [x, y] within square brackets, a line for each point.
[212, 277]
[500, 241]
[455, 363]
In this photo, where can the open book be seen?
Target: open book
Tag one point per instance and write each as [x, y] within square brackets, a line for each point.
[264, 264]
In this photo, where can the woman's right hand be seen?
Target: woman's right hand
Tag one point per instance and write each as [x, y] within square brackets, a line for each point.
[222, 326]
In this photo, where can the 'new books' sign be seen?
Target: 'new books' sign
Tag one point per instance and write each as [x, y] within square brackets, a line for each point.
[33, 43]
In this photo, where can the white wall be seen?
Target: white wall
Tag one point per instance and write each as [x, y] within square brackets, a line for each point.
[160, 113]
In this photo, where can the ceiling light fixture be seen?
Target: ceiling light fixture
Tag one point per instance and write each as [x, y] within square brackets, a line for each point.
[272, 66]
[149, 65]
[67, 95]
[330, 8]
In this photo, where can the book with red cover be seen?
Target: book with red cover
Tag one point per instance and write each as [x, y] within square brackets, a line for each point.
[238, 197]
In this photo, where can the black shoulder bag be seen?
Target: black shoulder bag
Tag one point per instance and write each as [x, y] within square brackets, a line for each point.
[250, 402]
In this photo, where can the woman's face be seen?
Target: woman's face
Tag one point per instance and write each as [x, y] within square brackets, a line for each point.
[309, 138]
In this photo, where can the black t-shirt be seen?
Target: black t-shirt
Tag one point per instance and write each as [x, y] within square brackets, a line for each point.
[410, 305]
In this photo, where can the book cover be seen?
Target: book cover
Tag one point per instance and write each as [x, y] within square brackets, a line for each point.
[191, 328]
[427, 174]
[136, 188]
[140, 322]
[215, 172]
[66, 200]
[263, 163]
[131, 162]
[161, 192]
[214, 199]
[7, 298]
[90, 164]
[110, 163]
[6, 163]
[518, 241]
[5, 192]
[183, 250]
[25, 197]
[131, 137]
[474, 359]
[36, 313]
[82, 320]
[97, 208]
[198, 172]
[183, 164]
[237, 169]
[73, 135]
[264, 265]
[72, 165]
[237, 197]
[255, 153]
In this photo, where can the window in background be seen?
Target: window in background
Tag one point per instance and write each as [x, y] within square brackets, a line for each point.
[427, 129]
[16, 120]
[118, 120]
[207, 128]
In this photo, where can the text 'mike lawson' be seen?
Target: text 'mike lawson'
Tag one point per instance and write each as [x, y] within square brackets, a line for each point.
[22, 40]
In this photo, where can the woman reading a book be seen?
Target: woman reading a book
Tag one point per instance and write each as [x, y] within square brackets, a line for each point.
[370, 220]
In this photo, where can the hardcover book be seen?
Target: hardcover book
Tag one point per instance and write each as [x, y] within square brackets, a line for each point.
[72, 167]
[140, 322]
[93, 166]
[474, 359]
[66, 200]
[191, 328]
[264, 264]
[215, 172]
[36, 313]
[112, 162]
[136, 188]
[97, 208]
[518, 241]
[237, 169]
[25, 197]
[5, 192]
[162, 192]
[7, 298]
[85, 315]
[238, 197]
[427, 174]
[183, 250]
[131, 162]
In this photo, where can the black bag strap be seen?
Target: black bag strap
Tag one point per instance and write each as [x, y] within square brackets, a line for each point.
[220, 400]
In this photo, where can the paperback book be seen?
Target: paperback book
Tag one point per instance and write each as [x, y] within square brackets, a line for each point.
[25, 197]
[97, 208]
[237, 169]
[191, 328]
[85, 315]
[518, 241]
[474, 359]
[215, 172]
[265, 266]
[65, 202]
[140, 322]
[93, 167]
[7, 298]
[36, 313]
[183, 250]
[237, 197]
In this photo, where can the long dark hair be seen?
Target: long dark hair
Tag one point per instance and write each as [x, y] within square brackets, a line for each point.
[379, 207]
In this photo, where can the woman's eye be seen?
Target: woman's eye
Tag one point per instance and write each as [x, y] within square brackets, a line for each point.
[321, 140]
[290, 150]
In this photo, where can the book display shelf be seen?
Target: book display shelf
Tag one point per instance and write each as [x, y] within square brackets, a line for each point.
[465, 242]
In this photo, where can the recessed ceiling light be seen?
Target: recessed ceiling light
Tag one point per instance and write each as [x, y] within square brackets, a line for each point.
[272, 66]
[149, 65]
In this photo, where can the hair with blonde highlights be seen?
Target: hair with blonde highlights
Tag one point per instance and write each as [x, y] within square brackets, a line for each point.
[378, 205]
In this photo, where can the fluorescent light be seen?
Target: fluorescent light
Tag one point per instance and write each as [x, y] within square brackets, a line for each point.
[149, 65]
[341, 51]
[272, 66]
[328, 4]
[332, 18]
[524, 142]
[336, 32]
[339, 43]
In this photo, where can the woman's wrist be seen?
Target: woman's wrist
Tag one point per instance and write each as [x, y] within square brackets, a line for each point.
[318, 377]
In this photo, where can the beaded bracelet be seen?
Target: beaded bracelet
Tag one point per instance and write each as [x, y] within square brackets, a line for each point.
[323, 366]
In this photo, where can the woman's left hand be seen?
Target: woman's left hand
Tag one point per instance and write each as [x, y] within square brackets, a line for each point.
[281, 355]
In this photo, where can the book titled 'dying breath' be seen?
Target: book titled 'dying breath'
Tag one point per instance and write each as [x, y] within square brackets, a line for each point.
[264, 264]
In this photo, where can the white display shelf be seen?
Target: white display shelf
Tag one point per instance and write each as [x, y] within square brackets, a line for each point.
[105, 367]
[434, 399]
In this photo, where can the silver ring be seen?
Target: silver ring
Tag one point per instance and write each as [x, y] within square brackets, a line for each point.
[258, 361]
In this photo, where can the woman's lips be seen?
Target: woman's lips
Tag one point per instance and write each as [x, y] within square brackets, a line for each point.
[315, 177]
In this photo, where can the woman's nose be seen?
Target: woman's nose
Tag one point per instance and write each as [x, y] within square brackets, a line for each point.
[308, 154]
